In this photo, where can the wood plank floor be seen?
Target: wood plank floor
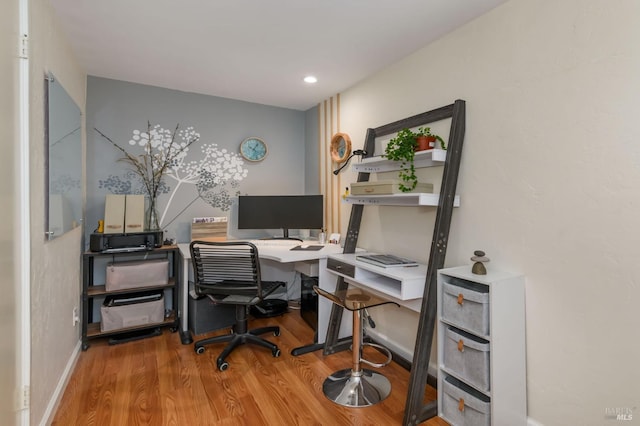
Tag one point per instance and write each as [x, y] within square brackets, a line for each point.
[159, 381]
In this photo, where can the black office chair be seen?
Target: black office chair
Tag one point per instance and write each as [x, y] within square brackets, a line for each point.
[229, 272]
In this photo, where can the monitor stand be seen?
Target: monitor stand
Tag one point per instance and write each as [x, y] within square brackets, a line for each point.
[285, 236]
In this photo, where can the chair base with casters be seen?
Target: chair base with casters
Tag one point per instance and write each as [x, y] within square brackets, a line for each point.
[229, 273]
[240, 334]
[357, 386]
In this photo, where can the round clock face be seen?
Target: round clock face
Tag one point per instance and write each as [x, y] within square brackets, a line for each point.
[253, 149]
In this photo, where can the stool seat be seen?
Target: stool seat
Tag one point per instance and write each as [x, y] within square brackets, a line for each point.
[357, 387]
[353, 299]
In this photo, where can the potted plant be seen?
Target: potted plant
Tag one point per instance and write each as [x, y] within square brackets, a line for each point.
[427, 140]
[402, 148]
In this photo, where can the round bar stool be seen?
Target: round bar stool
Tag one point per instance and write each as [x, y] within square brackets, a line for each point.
[357, 386]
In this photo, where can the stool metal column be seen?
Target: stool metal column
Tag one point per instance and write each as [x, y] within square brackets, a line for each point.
[357, 386]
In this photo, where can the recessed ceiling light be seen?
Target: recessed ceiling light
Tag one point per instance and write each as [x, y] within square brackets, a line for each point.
[310, 79]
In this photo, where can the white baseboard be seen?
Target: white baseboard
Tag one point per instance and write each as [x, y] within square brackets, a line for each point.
[531, 422]
[403, 352]
[56, 397]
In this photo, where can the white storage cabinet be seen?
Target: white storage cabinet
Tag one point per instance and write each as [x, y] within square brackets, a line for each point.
[481, 348]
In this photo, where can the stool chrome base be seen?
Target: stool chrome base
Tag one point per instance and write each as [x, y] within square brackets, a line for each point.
[350, 389]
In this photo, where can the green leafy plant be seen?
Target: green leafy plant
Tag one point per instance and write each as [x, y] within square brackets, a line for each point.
[402, 148]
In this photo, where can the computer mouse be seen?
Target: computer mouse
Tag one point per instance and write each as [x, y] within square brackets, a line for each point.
[304, 246]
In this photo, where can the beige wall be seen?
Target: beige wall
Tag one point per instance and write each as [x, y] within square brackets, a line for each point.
[55, 267]
[548, 182]
[10, 245]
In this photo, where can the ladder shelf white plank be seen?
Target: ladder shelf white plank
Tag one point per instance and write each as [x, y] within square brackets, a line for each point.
[403, 199]
[427, 158]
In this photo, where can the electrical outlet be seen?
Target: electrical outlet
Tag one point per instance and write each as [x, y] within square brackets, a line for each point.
[76, 318]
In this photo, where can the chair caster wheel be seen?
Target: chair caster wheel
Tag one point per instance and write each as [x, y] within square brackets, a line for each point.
[223, 366]
[275, 353]
[276, 333]
[200, 350]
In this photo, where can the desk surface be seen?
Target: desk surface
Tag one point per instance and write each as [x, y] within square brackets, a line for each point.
[280, 252]
[275, 252]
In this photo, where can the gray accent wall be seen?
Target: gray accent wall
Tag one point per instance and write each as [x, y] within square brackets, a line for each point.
[117, 108]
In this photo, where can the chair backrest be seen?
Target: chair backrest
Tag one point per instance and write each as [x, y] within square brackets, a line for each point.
[226, 268]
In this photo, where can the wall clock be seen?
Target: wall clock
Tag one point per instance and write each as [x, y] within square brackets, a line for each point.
[340, 148]
[253, 149]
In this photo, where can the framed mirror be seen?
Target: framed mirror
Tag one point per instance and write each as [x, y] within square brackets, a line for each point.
[340, 147]
[63, 151]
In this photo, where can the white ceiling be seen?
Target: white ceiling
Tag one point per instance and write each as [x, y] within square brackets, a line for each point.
[255, 50]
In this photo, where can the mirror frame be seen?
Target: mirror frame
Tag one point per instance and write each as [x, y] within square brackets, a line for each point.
[340, 152]
[63, 195]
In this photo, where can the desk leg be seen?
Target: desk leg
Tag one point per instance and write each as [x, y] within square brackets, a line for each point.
[306, 349]
[342, 344]
[185, 335]
[332, 341]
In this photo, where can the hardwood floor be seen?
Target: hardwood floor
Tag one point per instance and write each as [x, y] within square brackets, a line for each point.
[159, 381]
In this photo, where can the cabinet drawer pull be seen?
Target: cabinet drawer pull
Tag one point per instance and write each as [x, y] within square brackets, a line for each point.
[460, 345]
[461, 404]
[460, 299]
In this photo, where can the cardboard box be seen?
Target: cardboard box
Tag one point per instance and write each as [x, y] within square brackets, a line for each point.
[209, 229]
[114, 206]
[386, 187]
[134, 213]
[131, 310]
[137, 274]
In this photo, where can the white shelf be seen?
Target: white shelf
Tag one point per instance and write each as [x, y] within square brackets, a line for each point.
[428, 158]
[403, 285]
[403, 199]
[507, 368]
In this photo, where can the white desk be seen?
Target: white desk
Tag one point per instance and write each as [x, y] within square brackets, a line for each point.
[266, 251]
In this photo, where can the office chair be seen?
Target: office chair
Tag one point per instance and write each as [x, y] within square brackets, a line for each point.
[229, 272]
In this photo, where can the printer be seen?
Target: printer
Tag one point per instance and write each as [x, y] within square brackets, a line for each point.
[139, 241]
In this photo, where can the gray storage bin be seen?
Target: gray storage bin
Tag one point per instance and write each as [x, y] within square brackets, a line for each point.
[131, 310]
[137, 274]
[463, 405]
[467, 356]
[466, 305]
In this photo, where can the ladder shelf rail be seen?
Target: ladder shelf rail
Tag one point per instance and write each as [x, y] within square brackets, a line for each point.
[416, 411]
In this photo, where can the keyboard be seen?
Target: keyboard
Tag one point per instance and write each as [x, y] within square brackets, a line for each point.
[275, 243]
[386, 260]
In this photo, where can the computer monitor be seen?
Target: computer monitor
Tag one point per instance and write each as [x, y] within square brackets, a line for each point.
[280, 212]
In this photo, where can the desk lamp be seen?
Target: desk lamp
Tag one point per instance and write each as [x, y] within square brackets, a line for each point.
[356, 152]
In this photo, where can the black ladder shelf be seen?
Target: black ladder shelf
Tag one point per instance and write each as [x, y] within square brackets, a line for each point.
[415, 409]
